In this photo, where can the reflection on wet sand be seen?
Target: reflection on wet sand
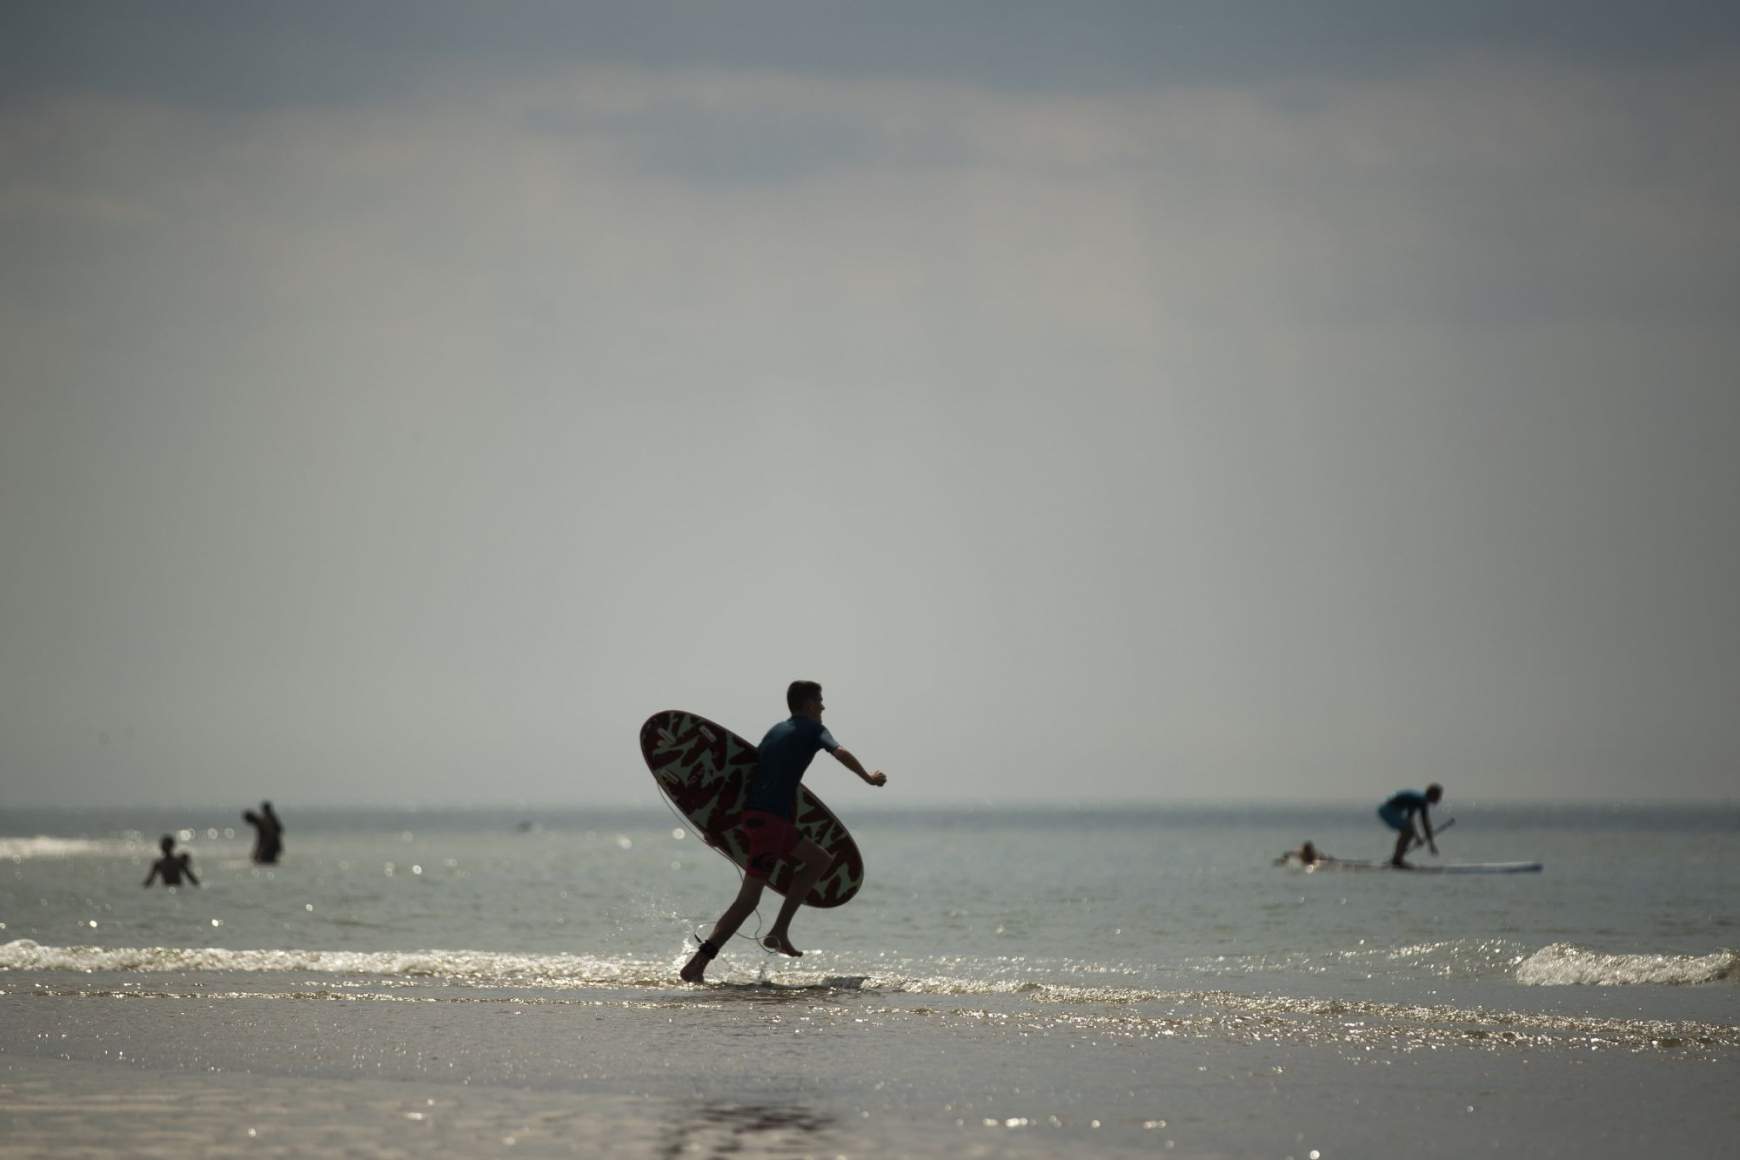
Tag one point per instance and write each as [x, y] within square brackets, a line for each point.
[830, 992]
[719, 1129]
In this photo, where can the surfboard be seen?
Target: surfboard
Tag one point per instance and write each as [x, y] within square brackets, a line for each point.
[704, 769]
[1433, 867]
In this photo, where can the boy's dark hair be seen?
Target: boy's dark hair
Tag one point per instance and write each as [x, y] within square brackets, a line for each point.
[798, 692]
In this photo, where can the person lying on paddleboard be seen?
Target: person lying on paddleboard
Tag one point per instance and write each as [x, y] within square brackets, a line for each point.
[770, 827]
[1398, 814]
[1306, 855]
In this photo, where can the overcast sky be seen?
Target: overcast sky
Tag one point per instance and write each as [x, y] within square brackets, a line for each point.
[401, 401]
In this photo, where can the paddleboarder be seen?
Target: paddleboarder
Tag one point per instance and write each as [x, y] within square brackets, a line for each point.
[1398, 814]
[769, 823]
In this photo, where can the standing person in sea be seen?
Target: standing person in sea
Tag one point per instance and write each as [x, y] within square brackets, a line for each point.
[770, 826]
[1398, 814]
[172, 866]
[268, 834]
[277, 824]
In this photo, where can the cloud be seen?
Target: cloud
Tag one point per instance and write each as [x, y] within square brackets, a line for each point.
[433, 428]
[1491, 188]
[259, 55]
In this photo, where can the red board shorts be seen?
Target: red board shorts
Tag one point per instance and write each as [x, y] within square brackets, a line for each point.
[770, 838]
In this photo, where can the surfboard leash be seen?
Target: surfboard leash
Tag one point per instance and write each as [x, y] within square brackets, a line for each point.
[695, 933]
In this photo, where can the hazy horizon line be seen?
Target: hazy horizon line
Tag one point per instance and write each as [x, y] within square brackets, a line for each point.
[1071, 805]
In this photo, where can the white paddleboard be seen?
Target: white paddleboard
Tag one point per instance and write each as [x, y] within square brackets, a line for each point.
[1433, 867]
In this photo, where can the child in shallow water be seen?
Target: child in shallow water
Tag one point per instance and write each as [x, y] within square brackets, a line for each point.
[172, 866]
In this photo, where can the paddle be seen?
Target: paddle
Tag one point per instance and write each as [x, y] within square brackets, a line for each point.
[1419, 841]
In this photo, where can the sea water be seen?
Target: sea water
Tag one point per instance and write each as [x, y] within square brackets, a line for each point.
[1077, 928]
[1639, 906]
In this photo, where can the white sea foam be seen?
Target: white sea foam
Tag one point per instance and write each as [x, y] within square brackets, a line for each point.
[44, 846]
[1558, 964]
[27, 955]
[1562, 964]
[1113, 1012]
[1449, 958]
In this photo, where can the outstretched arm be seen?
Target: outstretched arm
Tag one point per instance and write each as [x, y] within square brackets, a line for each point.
[1426, 821]
[845, 758]
[151, 877]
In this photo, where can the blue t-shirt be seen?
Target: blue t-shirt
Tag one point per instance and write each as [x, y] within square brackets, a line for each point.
[1406, 802]
[784, 755]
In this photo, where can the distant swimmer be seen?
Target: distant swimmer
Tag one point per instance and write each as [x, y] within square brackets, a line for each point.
[769, 826]
[1398, 814]
[1306, 855]
[172, 866]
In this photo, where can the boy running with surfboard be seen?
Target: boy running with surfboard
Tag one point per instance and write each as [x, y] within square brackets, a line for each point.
[770, 826]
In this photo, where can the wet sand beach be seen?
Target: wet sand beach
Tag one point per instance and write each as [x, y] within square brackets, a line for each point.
[213, 1064]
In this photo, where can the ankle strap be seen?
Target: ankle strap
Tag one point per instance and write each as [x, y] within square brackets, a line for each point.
[710, 948]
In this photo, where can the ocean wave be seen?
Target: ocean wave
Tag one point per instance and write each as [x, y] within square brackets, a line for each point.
[491, 967]
[1446, 959]
[1030, 1005]
[474, 966]
[1562, 964]
[1558, 964]
[44, 846]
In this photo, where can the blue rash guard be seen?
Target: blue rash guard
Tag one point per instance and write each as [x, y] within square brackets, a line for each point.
[784, 754]
[1398, 813]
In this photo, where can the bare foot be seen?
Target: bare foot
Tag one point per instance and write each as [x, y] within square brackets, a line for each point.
[782, 944]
